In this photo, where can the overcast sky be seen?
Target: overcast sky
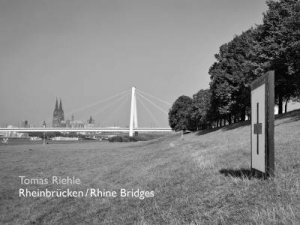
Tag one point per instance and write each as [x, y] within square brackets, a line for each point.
[84, 50]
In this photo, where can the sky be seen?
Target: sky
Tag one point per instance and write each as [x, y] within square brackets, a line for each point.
[83, 51]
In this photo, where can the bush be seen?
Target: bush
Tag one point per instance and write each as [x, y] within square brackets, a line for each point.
[126, 139]
[115, 139]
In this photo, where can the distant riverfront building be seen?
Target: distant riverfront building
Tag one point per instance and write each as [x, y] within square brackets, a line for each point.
[58, 115]
[59, 119]
[25, 124]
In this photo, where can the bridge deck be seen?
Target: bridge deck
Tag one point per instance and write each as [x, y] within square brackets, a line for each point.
[40, 129]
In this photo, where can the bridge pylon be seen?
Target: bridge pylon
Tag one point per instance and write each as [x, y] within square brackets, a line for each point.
[133, 123]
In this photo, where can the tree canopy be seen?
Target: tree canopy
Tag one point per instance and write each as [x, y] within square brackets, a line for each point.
[273, 45]
[179, 114]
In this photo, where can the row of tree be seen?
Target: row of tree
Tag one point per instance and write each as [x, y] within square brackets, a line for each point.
[273, 45]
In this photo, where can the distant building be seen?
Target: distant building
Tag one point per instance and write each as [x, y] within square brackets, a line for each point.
[77, 124]
[25, 124]
[59, 119]
[90, 123]
[15, 134]
[58, 115]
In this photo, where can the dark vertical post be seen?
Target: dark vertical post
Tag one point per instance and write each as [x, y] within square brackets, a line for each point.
[257, 122]
[270, 157]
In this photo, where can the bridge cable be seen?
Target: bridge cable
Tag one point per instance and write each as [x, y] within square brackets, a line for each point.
[97, 102]
[148, 111]
[149, 95]
[158, 107]
[91, 105]
[111, 104]
[116, 109]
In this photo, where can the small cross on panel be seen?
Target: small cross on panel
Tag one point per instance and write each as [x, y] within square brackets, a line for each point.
[257, 127]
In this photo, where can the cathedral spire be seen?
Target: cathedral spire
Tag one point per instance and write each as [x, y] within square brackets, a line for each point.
[56, 105]
[61, 111]
[60, 106]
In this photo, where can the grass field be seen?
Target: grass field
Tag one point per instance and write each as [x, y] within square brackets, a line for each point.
[200, 179]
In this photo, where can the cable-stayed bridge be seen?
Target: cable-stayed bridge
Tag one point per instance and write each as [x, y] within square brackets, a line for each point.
[118, 100]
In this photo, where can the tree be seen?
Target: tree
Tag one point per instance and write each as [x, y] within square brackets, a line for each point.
[199, 111]
[293, 51]
[231, 75]
[179, 114]
[280, 50]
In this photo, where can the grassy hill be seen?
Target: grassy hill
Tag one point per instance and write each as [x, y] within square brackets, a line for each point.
[200, 179]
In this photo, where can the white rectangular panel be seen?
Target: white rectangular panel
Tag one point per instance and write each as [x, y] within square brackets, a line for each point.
[258, 128]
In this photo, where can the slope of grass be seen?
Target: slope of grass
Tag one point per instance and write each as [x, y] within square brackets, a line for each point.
[200, 179]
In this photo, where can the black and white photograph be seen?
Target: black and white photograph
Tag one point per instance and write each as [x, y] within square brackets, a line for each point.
[149, 112]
